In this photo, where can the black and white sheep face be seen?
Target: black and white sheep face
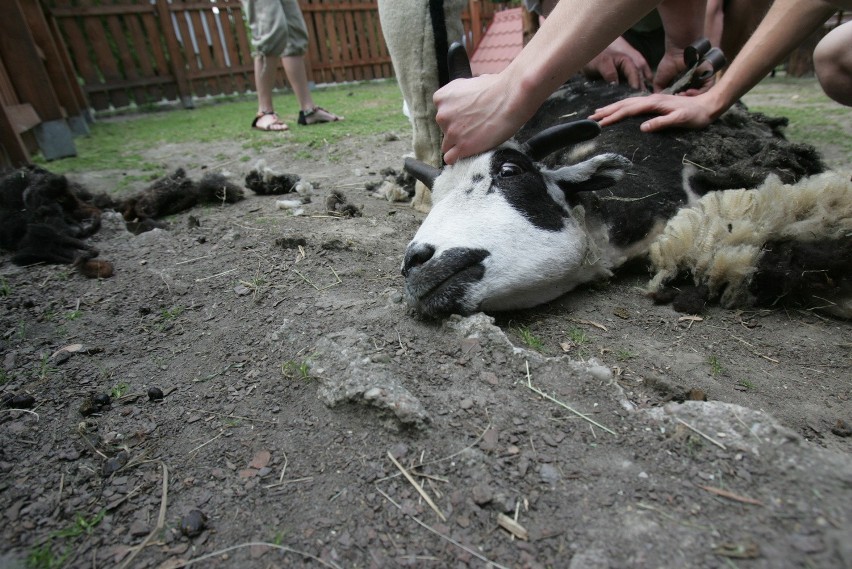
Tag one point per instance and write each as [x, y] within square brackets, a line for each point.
[501, 234]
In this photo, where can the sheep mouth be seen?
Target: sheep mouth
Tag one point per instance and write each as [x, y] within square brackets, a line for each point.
[441, 285]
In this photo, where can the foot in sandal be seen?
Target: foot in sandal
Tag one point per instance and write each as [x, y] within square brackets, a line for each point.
[268, 121]
[317, 115]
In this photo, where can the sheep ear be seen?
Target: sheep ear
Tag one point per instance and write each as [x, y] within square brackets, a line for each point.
[557, 137]
[458, 62]
[422, 171]
[594, 174]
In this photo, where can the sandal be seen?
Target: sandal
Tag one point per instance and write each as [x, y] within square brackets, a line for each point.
[275, 126]
[317, 115]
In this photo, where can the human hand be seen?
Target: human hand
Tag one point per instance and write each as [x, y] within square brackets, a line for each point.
[674, 111]
[620, 61]
[478, 114]
[669, 68]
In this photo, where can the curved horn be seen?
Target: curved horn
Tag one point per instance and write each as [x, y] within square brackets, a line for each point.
[458, 62]
[422, 171]
[556, 137]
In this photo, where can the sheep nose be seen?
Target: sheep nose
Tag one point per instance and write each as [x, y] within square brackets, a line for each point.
[416, 255]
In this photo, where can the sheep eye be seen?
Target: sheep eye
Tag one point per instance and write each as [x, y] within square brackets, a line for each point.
[509, 169]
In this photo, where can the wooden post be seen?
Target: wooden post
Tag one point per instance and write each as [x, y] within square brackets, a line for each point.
[475, 24]
[54, 65]
[175, 60]
[33, 84]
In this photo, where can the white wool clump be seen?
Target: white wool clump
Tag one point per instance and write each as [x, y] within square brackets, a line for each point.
[304, 189]
[391, 191]
[720, 239]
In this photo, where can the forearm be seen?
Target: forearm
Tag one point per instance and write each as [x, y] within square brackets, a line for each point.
[786, 25]
[683, 21]
[574, 33]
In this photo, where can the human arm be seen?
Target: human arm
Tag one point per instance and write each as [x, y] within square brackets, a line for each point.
[480, 113]
[785, 26]
[683, 23]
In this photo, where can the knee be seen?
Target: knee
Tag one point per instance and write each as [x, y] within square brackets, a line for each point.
[833, 64]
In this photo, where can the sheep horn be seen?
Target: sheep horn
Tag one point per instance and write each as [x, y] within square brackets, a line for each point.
[422, 171]
[552, 139]
[458, 62]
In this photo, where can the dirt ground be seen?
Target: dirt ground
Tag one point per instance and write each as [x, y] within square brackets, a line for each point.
[314, 421]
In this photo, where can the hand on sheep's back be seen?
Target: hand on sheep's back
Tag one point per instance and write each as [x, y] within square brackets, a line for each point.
[673, 110]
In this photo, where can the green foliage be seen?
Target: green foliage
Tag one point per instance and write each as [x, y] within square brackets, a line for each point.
[624, 355]
[118, 390]
[119, 143]
[715, 366]
[528, 338]
[5, 289]
[578, 336]
[292, 369]
[43, 556]
[74, 315]
[44, 368]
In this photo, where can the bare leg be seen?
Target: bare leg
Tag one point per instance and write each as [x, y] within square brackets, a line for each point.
[294, 67]
[264, 79]
[833, 64]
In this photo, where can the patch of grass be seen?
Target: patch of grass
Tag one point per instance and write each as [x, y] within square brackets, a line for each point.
[44, 368]
[118, 390]
[578, 336]
[74, 315]
[530, 339]
[624, 355]
[118, 143]
[81, 526]
[43, 556]
[4, 377]
[813, 117]
[715, 366]
[292, 369]
[171, 313]
[746, 384]
[5, 289]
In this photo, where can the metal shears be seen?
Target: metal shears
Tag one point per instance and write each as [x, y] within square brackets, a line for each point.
[702, 62]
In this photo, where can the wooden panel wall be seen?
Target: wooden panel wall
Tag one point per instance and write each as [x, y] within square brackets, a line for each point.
[137, 52]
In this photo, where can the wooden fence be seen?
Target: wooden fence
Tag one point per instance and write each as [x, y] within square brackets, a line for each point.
[138, 52]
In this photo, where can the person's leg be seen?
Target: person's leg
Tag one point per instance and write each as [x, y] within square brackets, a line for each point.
[293, 60]
[264, 80]
[297, 75]
[268, 35]
[833, 64]
[741, 18]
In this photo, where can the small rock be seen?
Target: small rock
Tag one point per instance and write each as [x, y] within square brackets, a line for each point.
[155, 394]
[260, 460]
[24, 401]
[193, 523]
[114, 464]
[139, 528]
[842, 429]
[466, 403]
[482, 494]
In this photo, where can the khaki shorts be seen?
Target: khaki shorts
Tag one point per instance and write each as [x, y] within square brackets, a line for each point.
[277, 27]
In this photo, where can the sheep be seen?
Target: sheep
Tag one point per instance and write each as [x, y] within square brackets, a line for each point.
[524, 223]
